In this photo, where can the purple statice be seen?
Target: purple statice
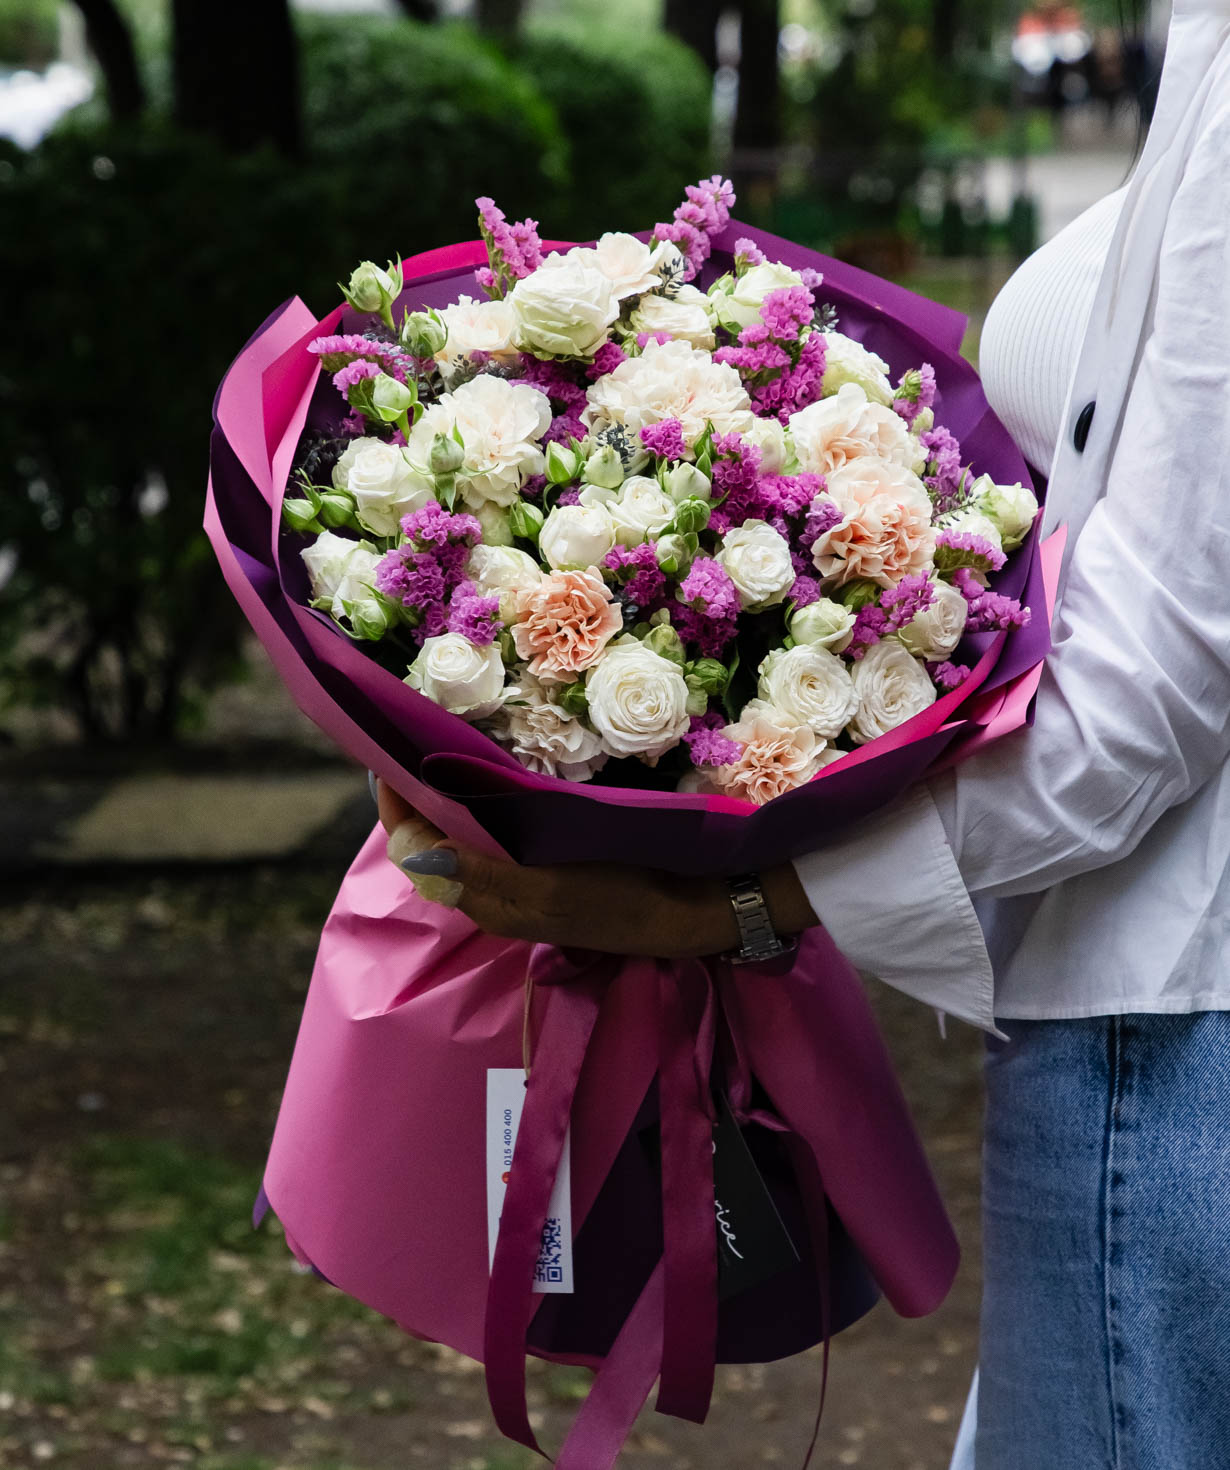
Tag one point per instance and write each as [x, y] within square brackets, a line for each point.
[790, 495]
[988, 611]
[513, 250]
[558, 380]
[423, 573]
[821, 518]
[870, 625]
[755, 355]
[354, 373]
[944, 477]
[782, 369]
[474, 616]
[812, 279]
[948, 676]
[340, 351]
[637, 567]
[704, 212]
[709, 615]
[533, 487]
[905, 601]
[918, 392]
[804, 590]
[797, 386]
[446, 535]
[413, 578]
[707, 745]
[735, 475]
[964, 548]
[571, 496]
[747, 254]
[565, 427]
[606, 360]
[665, 439]
[787, 311]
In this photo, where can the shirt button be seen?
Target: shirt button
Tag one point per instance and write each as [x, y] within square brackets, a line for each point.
[1080, 433]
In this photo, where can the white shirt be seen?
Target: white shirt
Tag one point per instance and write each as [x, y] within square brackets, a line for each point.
[1097, 843]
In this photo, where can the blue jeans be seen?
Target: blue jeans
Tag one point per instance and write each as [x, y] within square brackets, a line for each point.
[1106, 1207]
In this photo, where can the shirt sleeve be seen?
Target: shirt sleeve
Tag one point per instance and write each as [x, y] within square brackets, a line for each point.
[1133, 710]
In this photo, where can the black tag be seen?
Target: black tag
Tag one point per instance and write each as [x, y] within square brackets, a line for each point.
[752, 1240]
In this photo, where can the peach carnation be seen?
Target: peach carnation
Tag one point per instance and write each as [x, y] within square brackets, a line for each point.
[778, 755]
[885, 532]
[564, 624]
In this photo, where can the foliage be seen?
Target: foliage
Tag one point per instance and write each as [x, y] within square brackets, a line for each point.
[28, 32]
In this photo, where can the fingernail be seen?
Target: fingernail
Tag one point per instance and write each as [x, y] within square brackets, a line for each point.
[436, 862]
[371, 786]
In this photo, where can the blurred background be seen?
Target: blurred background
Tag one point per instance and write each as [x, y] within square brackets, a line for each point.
[172, 832]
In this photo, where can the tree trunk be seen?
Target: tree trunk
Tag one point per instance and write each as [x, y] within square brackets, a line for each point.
[758, 125]
[424, 10]
[694, 22]
[499, 19]
[110, 40]
[237, 73]
[945, 23]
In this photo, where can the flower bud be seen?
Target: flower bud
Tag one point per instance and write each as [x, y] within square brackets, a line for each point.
[924, 421]
[563, 465]
[446, 455]
[300, 515]
[823, 622]
[710, 674]
[855, 595]
[686, 482]
[423, 333]
[369, 618]
[390, 398]
[663, 639]
[910, 386]
[374, 290]
[605, 468]
[698, 700]
[525, 520]
[692, 516]
[495, 521]
[572, 697]
[507, 647]
[336, 509]
[673, 554]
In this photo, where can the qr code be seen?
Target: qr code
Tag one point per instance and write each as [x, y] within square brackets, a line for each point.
[550, 1269]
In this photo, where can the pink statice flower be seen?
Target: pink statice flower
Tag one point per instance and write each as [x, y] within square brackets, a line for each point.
[606, 360]
[709, 614]
[966, 544]
[735, 475]
[870, 626]
[513, 250]
[354, 373]
[704, 213]
[916, 393]
[474, 615]
[988, 611]
[747, 254]
[706, 743]
[665, 439]
[948, 676]
[944, 477]
[339, 351]
[903, 603]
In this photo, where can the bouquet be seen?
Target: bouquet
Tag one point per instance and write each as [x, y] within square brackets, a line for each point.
[658, 554]
[645, 534]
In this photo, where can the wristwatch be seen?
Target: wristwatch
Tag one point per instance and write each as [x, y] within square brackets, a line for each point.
[758, 940]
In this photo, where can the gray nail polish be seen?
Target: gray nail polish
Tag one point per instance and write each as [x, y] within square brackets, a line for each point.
[436, 862]
[371, 786]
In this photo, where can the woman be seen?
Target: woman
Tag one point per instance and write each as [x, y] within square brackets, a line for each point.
[1097, 844]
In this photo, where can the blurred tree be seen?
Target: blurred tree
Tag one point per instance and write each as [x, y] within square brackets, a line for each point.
[499, 18]
[695, 24]
[236, 72]
[758, 122]
[111, 42]
[420, 10]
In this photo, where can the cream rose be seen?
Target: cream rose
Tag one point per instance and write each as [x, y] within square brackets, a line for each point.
[684, 316]
[892, 687]
[384, 483]
[935, 632]
[737, 303]
[778, 755]
[576, 536]
[809, 685]
[848, 361]
[465, 678]
[503, 572]
[500, 423]
[757, 561]
[848, 426]
[885, 532]
[631, 266]
[1010, 509]
[642, 509]
[563, 309]
[971, 521]
[638, 700]
[826, 623]
[335, 564]
[544, 736]
[670, 380]
[476, 326]
[769, 437]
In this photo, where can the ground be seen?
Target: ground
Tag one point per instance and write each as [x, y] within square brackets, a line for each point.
[145, 1027]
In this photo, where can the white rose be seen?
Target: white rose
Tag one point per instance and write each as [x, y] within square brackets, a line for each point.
[1010, 509]
[563, 309]
[631, 266]
[738, 304]
[811, 685]
[670, 380]
[684, 315]
[848, 361]
[476, 326]
[848, 426]
[334, 561]
[465, 678]
[503, 571]
[643, 509]
[934, 633]
[770, 438]
[500, 423]
[970, 521]
[826, 623]
[544, 736]
[576, 536]
[638, 700]
[892, 687]
[757, 561]
[385, 485]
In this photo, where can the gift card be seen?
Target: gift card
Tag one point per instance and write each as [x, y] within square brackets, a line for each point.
[753, 1243]
[505, 1100]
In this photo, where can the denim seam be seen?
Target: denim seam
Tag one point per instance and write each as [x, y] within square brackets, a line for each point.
[1109, 1300]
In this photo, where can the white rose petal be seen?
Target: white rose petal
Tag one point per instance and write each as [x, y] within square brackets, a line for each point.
[384, 483]
[500, 423]
[503, 571]
[934, 633]
[638, 700]
[757, 561]
[563, 309]
[631, 266]
[826, 623]
[892, 687]
[770, 438]
[970, 521]
[544, 736]
[810, 685]
[576, 536]
[848, 361]
[670, 380]
[1010, 509]
[463, 677]
[333, 561]
[738, 304]
[847, 426]
[684, 316]
[642, 509]
[476, 326]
